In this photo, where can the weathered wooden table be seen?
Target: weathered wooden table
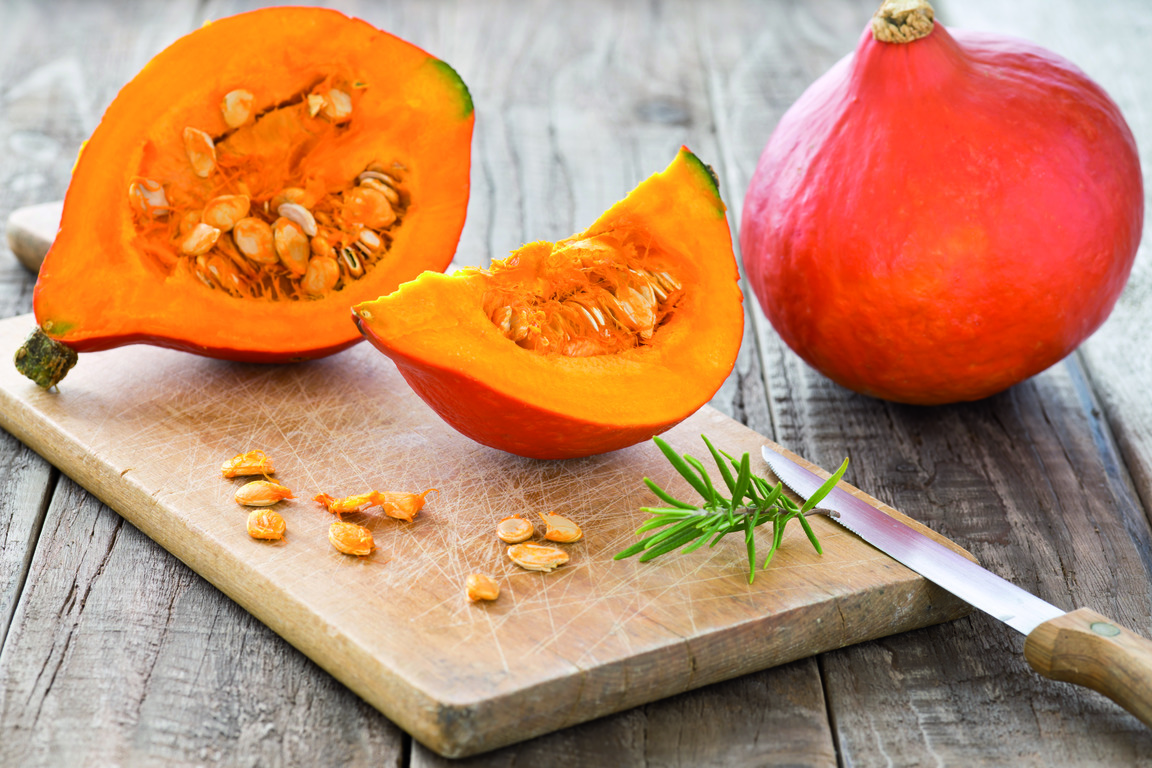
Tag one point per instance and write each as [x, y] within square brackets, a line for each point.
[113, 652]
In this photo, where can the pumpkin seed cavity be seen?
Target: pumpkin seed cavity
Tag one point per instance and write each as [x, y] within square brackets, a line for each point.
[241, 213]
[595, 296]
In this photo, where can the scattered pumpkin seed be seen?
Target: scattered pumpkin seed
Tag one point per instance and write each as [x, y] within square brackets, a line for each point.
[351, 539]
[480, 586]
[514, 529]
[560, 529]
[537, 557]
[266, 524]
[262, 493]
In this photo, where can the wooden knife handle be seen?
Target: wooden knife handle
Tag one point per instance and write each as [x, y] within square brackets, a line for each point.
[1088, 649]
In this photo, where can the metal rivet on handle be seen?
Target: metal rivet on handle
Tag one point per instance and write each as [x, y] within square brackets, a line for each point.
[1104, 628]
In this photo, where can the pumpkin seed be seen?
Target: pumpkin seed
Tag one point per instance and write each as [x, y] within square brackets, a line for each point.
[266, 524]
[503, 320]
[377, 176]
[481, 586]
[296, 195]
[248, 463]
[537, 557]
[224, 211]
[254, 238]
[147, 196]
[188, 222]
[201, 152]
[351, 539]
[665, 281]
[321, 247]
[560, 528]
[351, 262]
[237, 107]
[345, 505]
[199, 240]
[315, 104]
[370, 239]
[300, 215]
[202, 274]
[514, 529]
[337, 105]
[262, 493]
[392, 196]
[320, 276]
[292, 245]
[368, 207]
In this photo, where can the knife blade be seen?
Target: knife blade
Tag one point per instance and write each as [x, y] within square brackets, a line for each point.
[1081, 646]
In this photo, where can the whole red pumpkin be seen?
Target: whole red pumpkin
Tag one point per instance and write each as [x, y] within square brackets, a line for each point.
[942, 215]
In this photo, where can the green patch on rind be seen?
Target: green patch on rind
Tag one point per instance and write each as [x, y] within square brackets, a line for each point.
[454, 81]
[58, 328]
[706, 174]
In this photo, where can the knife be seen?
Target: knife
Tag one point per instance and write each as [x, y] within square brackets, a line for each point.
[1080, 646]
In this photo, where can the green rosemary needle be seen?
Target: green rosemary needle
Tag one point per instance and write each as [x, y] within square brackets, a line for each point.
[750, 503]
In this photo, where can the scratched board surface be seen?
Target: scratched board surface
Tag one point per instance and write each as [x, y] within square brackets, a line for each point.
[146, 430]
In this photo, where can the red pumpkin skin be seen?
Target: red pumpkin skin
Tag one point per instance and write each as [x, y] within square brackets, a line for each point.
[935, 221]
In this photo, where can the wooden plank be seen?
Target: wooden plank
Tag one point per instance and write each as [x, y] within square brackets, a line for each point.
[761, 719]
[146, 429]
[24, 492]
[163, 668]
[31, 230]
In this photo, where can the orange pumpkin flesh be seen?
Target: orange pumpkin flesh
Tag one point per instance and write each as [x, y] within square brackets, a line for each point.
[584, 346]
[937, 219]
[298, 104]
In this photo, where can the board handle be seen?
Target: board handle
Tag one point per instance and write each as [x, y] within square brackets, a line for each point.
[31, 231]
[1089, 649]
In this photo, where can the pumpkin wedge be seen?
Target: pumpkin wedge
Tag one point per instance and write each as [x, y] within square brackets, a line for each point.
[586, 345]
[256, 179]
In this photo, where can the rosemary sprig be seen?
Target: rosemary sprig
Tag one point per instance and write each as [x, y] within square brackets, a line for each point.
[750, 503]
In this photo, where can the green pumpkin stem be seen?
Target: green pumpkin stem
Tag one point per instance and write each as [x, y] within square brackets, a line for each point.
[44, 360]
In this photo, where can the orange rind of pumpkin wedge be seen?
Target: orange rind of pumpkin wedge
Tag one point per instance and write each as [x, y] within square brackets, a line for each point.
[583, 346]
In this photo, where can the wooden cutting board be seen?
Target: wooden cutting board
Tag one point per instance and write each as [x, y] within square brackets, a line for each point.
[146, 430]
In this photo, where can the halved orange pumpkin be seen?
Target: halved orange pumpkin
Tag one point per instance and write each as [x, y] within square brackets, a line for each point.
[255, 180]
[582, 346]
